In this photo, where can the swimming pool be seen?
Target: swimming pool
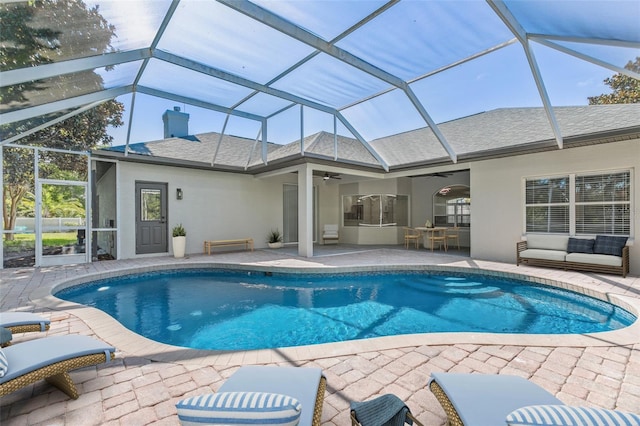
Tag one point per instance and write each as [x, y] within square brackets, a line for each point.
[224, 309]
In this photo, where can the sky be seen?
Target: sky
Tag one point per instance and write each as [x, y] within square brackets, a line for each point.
[212, 36]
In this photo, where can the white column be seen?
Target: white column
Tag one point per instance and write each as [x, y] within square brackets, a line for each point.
[305, 211]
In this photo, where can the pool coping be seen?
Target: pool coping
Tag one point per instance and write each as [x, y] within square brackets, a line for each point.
[111, 331]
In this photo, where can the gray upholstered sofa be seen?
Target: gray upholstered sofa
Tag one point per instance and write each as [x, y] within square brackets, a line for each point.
[604, 253]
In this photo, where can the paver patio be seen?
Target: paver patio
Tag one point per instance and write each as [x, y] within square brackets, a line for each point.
[140, 389]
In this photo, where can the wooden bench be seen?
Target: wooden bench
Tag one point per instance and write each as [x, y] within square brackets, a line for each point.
[246, 242]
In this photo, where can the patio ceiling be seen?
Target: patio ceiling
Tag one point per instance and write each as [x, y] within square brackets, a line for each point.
[365, 69]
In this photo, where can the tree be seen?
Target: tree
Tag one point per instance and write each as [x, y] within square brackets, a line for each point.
[626, 90]
[40, 32]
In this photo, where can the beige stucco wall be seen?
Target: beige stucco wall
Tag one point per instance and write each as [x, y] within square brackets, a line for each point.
[226, 205]
[215, 205]
[497, 193]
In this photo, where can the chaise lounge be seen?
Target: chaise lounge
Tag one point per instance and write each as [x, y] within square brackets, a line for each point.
[260, 395]
[51, 359]
[23, 322]
[20, 322]
[492, 399]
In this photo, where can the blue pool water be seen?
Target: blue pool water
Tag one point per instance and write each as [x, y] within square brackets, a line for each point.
[235, 310]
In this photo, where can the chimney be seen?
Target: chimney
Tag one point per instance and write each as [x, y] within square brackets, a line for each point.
[176, 123]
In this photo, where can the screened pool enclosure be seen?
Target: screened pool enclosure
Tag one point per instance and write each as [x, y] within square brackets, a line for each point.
[277, 72]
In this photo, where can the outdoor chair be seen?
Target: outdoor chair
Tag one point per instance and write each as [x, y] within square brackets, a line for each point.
[386, 410]
[51, 359]
[20, 322]
[437, 236]
[411, 236]
[453, 234]
[498, 399]
[330, 232]
[259, 394]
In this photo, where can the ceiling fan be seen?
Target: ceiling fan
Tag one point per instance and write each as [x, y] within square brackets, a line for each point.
[440, 174]
[327, 175]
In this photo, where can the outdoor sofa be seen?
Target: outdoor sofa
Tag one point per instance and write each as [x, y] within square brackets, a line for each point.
[604, 254]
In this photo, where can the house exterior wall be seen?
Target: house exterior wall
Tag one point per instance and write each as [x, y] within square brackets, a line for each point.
[215, 205]
[497, 194]
[329, 206]
[219, 205]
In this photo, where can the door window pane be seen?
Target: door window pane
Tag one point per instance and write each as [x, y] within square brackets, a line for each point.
[150, 204]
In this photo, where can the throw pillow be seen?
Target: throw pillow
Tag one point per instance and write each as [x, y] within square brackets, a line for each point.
[606, 244]
[239, 408]
[566, 415]
[5, 336]
[4, 364]
[580, 245]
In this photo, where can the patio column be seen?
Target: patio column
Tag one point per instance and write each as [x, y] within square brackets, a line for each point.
[305, 211]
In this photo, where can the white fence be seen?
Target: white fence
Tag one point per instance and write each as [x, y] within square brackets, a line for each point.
[50, 224]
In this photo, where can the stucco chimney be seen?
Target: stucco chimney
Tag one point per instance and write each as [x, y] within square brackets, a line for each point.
[176, 123]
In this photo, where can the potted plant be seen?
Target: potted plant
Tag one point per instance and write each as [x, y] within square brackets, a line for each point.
[179, 240]
[274, 239]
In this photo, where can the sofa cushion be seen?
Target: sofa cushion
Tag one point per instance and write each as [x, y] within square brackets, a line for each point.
[580, 245]
[566, 415]
[548, 242]
[239, 408]
[543, 254]
[607, 244]
[595, 259]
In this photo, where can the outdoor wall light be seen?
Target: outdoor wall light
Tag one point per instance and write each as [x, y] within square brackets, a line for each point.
[179, 194]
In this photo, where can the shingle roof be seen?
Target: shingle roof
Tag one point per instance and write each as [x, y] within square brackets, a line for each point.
[505, 128]
[480, 134]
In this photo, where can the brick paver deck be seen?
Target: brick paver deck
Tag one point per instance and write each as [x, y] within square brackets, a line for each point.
[145, 381]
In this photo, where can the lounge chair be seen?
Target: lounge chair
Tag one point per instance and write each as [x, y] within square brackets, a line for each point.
[19, 322]
[492, 399]
[51, 359]
[23, 322]
[387, 410]
[303, 385]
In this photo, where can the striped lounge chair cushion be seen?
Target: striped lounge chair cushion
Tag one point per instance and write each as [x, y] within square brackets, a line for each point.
[4, 364]
[566, 415]
[239, 408]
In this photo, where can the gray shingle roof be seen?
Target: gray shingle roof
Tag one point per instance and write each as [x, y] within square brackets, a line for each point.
[484, 133]
[505, 128]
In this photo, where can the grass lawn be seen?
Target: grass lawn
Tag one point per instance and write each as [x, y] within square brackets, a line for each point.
[23, 242]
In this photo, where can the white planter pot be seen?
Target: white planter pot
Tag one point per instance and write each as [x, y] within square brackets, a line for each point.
[275, 245]
[179, 244]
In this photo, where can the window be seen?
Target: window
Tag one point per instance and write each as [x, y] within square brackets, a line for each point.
[603, 204]
[547, 204]
[580, 204]
[452, 206]
[375, 210]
